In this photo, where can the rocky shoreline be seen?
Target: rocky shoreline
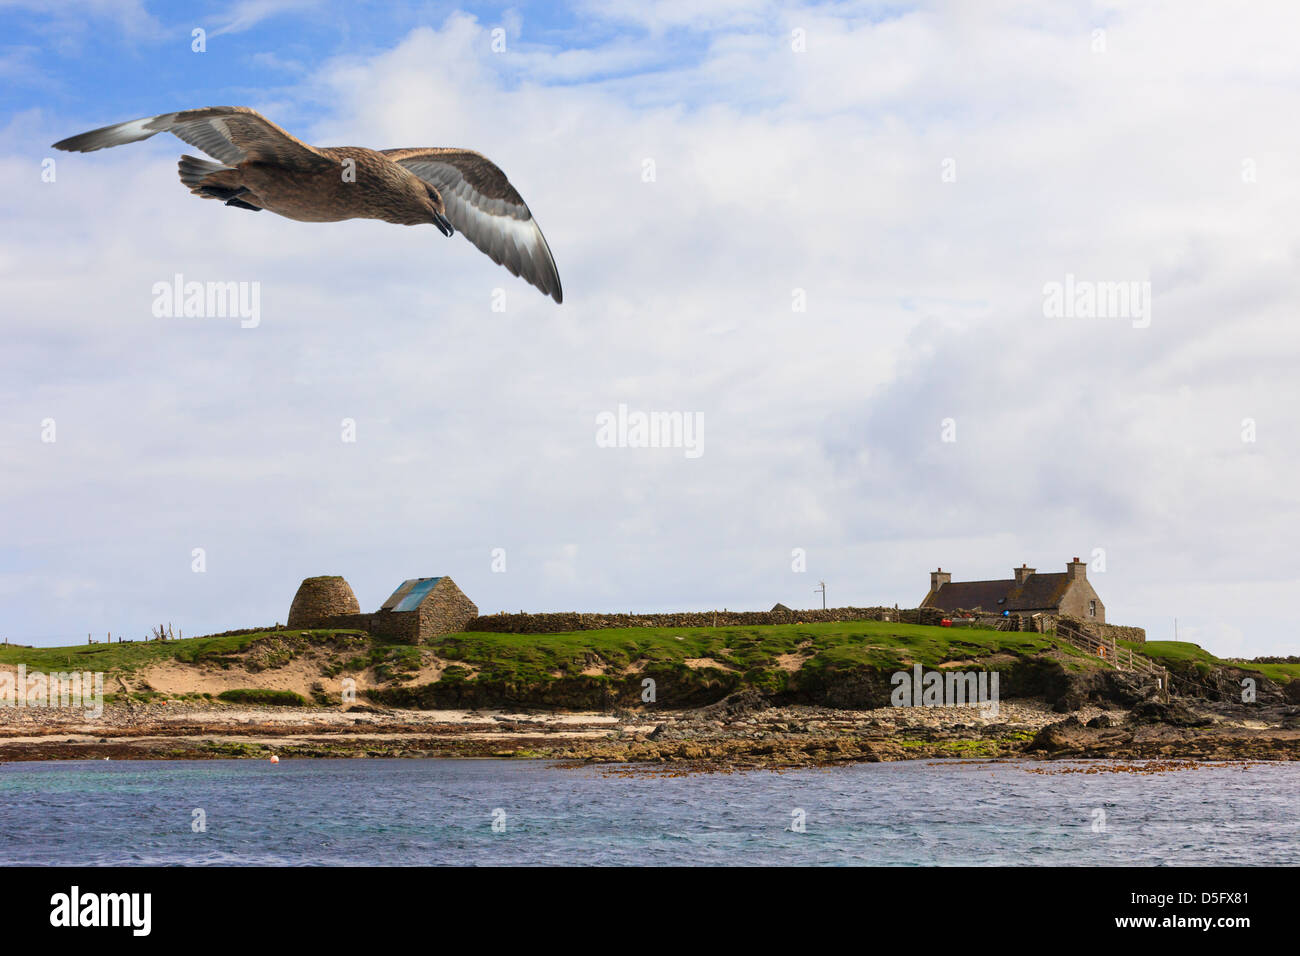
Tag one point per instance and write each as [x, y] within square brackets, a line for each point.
[743, 731]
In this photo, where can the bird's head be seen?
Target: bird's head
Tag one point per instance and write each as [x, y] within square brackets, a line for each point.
[438, 211]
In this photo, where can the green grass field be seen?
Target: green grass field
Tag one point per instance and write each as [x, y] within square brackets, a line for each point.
[1182, 652]
[530, 658]
[128, 657]
[533, 657]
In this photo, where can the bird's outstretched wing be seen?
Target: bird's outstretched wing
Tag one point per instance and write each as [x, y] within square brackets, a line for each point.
[230, 134]
[483, 205]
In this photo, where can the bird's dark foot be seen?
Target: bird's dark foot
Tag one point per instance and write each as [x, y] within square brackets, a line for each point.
[443, 224]
[222, 192]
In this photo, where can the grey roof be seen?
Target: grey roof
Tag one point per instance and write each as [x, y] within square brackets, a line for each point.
[1039, 592]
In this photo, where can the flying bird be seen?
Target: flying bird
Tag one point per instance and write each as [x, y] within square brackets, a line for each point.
[260, 166]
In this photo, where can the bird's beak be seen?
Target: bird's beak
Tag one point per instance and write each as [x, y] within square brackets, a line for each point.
[442, 223]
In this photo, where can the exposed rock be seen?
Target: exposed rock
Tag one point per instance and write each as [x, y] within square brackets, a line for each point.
[1123, 688]
[682, 741]
[1225, 683]
[1068, 734]
[1173, 713]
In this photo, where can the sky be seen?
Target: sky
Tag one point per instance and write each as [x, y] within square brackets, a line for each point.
[835, 237]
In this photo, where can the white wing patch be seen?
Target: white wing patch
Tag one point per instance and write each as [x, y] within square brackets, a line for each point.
[505, 231]
[129, 132]
[230, 134]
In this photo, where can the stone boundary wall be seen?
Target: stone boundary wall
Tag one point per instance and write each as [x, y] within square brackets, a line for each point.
[962, 617]
[1042, 622]
[238, 632]
[552, 623]
[407, 626]
[401, 626]
[1109, 632]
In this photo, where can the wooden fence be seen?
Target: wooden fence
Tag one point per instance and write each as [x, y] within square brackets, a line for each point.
[1122, 658]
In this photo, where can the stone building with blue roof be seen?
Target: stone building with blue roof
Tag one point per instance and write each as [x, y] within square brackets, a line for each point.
[418, 611]
[421, 609]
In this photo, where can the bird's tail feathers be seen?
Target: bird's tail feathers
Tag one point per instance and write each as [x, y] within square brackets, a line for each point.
[193, 171]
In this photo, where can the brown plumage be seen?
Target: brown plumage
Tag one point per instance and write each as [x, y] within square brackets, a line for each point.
[260, 166]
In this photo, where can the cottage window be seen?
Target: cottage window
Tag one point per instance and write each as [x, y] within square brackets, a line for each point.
[1092, 609]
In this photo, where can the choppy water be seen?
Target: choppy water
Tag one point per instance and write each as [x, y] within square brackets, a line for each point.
[400, 812]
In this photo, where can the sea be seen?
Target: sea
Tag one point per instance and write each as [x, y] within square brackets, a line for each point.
[402, 812]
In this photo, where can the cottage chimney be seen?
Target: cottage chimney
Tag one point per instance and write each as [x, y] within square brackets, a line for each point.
[1076, 569]
[1021, 573]
[938, 579]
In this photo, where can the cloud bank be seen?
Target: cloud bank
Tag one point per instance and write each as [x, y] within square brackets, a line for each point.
[824, 231]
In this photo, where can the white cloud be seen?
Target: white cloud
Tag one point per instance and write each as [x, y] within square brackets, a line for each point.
[246, 14]
[774, 171]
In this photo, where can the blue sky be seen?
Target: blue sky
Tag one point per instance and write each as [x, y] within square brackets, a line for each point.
[123, 55]
[916, 176]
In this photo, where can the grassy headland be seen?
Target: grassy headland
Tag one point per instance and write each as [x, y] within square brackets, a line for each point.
[844, 663]
[742, 696]
[840, 664]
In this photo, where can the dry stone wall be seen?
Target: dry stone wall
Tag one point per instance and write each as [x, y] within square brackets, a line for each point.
[1109, 632]
[574, 621]
[399, 628]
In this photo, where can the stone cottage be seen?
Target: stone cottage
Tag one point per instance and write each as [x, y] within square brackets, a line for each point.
[418, 611]
[1026, 592]
[421, 609]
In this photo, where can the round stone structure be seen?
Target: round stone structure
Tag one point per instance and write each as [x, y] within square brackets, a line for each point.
[321, 598]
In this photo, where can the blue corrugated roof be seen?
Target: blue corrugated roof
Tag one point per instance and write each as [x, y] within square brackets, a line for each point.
[398, 594]
[420, 589]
